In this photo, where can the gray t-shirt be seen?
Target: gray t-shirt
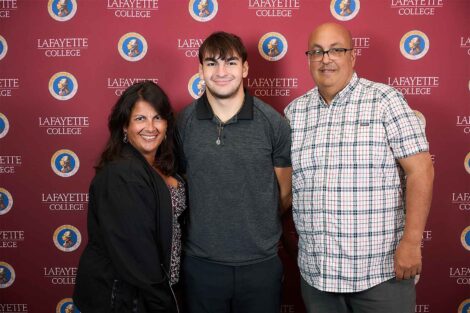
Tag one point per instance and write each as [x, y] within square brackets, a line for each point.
[233, 190]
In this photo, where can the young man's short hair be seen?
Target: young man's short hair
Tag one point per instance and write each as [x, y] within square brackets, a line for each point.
[222, 45]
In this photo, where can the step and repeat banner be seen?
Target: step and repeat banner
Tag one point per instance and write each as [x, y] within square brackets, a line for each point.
[63, 64]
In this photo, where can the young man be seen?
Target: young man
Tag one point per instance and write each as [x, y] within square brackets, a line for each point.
[237, 155]
[354, 141]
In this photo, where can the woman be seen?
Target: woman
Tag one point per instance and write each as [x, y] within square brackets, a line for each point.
[132, 256]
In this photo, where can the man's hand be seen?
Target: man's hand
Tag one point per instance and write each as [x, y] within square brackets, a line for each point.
[407, 260]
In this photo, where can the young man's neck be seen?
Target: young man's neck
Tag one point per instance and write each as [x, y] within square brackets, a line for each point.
[225, 109]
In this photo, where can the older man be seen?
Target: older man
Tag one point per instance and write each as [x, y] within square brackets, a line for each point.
[358, 151]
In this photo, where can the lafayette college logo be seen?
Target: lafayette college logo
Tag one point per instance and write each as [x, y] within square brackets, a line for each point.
[65, 163]
[66, 306]
[132, 47]
[203, 10]
[3, 47]
[6, 201]
[67, 238]
[196, 86]
[414, 45]
[62, 10]
[63, 86]
[4, 125]
[344, 10]
[7, 275]
[272, 46]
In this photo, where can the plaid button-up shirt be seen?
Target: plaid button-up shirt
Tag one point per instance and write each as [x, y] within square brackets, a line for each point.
[348, 187]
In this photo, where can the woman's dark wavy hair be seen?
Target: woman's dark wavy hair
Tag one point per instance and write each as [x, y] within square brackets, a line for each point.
[166, 156]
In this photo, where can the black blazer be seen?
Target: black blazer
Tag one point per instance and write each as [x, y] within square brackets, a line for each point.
[125, 263]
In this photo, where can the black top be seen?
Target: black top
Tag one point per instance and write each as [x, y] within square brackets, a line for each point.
[129, 240]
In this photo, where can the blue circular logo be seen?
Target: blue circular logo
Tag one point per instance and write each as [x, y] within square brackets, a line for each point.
[4, 125]
[62, 10]
[63, 86]
[272, 46]
[66, 306]
[65, 163]
[6, 201]
[465, 238]
[464, 307]
[344, 10]
[414, 45]
[3, 47]
[67, 238]
[7, 275]
[132, 47]
[196, 86]
[467, 163]
[203, 10]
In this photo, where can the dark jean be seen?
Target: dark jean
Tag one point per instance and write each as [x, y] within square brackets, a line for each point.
[391, 296]
[216, 288]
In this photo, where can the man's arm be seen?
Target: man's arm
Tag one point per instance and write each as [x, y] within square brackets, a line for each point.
[284, 179]
[419, 181]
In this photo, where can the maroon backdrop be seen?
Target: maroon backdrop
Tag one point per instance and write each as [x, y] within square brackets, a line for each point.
[44, 48]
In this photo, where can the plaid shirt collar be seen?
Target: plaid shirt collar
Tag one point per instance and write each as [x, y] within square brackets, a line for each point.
[339, 99]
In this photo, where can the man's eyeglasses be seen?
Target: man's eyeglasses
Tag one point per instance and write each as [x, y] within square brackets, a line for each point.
[317, 55]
